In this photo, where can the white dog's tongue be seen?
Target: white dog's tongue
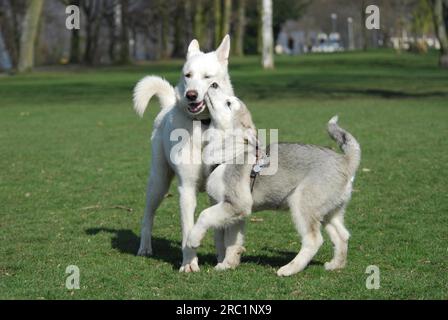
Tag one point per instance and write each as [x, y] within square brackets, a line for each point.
[195, 107]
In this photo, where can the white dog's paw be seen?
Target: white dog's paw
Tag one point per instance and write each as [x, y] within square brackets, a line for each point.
[223, 266]
[144, 251]
[190, 267]
[287, 270]
[333, 265]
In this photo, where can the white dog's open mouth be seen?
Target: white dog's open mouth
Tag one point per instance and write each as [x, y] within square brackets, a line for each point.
[196, 107]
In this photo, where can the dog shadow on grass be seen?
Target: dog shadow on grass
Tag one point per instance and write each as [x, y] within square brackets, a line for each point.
[127, 242]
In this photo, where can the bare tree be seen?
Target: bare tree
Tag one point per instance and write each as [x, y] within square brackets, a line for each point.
[75, 50]
[198, 20]
[29, 35]
[239, 28]
[226, 17]
[217, 21]
[267, 35]
[11, 16]
[93, 10]
[440, 14]
[179, 28]
[124, 33]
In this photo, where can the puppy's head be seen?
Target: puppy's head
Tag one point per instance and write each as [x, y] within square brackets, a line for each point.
[229, 113]
[199, 72]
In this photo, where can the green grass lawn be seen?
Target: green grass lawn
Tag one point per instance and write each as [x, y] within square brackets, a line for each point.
[73, 156]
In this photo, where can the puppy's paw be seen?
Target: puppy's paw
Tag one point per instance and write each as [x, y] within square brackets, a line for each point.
[334, 265]
[144, 251]
[190, 267]
[194, 240]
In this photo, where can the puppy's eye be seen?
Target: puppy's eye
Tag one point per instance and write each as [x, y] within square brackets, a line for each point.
[215, 85]
[188, 75]
[228, 103]
[207, 76]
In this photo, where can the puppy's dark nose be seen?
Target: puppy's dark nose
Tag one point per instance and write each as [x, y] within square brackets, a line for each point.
[192, 95]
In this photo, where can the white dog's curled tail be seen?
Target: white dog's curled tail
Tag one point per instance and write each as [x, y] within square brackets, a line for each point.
[149, 86]
[346, 142]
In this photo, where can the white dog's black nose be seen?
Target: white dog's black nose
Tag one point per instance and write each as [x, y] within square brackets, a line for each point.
[192, 95]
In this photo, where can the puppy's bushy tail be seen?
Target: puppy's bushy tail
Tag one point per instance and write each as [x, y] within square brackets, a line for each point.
[150, 86]
[347, 143]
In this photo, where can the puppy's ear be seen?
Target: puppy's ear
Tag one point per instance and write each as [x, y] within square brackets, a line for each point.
[193, 48]
[246, 123]
[224, 49]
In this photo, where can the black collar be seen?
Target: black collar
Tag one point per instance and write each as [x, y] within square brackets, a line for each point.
[205, 122]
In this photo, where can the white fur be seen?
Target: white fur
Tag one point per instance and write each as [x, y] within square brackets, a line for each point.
[176, 115]
[147, 88]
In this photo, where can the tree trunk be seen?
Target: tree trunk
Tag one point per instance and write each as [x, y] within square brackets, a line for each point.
[267, 35]
[439, 8]
[363, 26]
[74, 40]
[124, 34]
[198, 21]
[239, 29]
[165, 24]
[217, 21]
[29, 34]
[260, 27]
[5, 59]
[93, 10]
[226, 18]
[179, 30]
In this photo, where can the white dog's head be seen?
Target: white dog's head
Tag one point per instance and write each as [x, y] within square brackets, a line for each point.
[199, 72]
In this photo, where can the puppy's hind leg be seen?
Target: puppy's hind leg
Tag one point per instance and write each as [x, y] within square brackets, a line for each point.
[339, 237]
[308, 227]
[158, 184]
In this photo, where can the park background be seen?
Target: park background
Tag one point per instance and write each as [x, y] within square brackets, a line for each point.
[74, 157]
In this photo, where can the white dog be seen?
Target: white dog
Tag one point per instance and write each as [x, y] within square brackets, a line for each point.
[180, 106]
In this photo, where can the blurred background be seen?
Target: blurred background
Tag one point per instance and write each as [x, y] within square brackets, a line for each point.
[34, 33]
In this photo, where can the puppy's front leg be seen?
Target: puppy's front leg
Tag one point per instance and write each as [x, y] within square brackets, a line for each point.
[217, 216]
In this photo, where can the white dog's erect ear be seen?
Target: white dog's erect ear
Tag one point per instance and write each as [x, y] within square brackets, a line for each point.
[224, 49]
[193, 48]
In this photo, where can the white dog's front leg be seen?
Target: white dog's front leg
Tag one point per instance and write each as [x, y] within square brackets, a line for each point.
[234, 246]
[187, 193]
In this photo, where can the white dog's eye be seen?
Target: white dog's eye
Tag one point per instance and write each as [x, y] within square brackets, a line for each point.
[207, 76]
[188, 75]
[228, 103]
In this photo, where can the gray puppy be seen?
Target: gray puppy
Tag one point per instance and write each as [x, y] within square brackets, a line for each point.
[314, 182]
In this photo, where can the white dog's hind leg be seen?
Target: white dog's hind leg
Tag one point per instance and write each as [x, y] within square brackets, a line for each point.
[234, 241]
[187, 193]
[158, 184]
[219, 244]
